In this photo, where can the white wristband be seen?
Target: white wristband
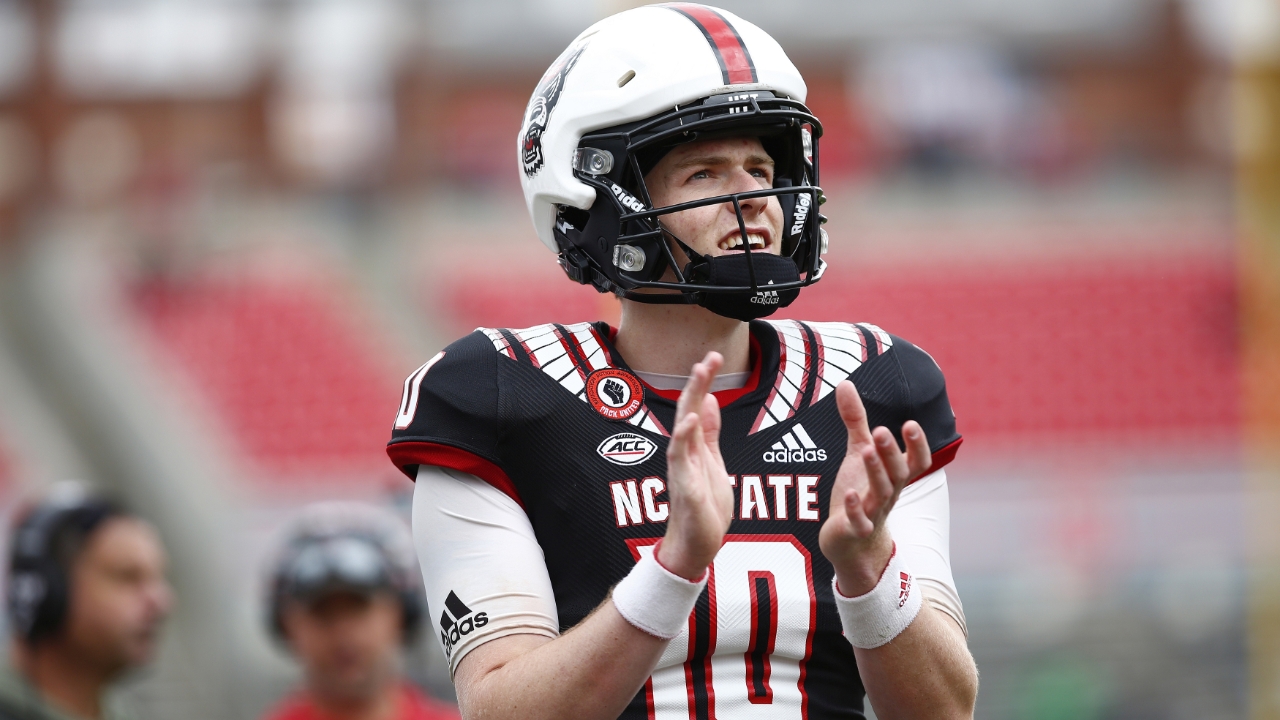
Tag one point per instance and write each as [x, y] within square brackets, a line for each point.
[873, 619]
[655, 599]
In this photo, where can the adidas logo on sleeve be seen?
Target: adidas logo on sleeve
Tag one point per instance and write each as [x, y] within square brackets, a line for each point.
[795, 446]
[458, 621]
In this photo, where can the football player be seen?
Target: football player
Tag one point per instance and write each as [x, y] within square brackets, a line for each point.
[688, 516]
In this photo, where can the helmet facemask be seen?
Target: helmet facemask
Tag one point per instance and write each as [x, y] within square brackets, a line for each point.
[620, 245]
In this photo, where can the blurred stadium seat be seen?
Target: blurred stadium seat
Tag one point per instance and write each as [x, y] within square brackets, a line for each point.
[296, 377]
[1143, 346]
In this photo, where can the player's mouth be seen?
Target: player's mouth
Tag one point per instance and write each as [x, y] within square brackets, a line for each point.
[757, 239]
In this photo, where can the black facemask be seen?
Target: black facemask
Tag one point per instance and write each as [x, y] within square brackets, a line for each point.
[733, 270]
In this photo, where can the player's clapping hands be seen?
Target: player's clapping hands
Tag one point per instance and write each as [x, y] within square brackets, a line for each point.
[872, 475]
[698, 486]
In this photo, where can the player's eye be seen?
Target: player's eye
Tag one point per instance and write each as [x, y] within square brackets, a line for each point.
[700, 175]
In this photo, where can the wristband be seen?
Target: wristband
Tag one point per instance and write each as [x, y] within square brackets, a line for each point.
[655, 599]
[873, 619]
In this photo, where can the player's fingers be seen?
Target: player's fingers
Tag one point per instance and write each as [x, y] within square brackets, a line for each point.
[919, 458]
[711, 468]
[853, 414]
[699, 383]
[710, 416]
[697, 438]
[895, 462]
[713, 362]
[856, 516]
[879, 485]
[681, 446]
[694, 389]
[710, 419]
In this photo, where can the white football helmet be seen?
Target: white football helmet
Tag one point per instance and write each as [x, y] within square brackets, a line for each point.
[622, 94]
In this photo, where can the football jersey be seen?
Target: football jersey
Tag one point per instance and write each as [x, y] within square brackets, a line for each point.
[552, 416]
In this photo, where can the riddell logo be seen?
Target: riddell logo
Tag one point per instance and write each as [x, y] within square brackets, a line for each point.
[802, 212]
[457, 621]
[795, 446]
[629, 201]
[905, 589]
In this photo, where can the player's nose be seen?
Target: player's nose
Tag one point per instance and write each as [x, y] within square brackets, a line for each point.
[742, 181]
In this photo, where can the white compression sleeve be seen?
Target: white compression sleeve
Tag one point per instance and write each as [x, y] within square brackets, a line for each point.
[920, 524]
[484, 571]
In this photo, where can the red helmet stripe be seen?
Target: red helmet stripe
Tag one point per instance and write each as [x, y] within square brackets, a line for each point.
[735, 62]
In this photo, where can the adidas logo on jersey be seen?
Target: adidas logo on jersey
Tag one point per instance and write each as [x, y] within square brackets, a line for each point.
[457, 621]
[795, 446]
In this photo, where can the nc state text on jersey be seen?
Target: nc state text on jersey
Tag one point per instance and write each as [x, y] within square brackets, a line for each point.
[635, 501]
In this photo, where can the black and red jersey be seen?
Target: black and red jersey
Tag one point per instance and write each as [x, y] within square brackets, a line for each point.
[552, 416]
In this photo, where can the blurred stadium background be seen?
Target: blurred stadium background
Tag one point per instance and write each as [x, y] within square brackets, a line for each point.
[229, 228]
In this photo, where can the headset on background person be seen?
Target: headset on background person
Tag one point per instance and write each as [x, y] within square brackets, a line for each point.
[45, 542]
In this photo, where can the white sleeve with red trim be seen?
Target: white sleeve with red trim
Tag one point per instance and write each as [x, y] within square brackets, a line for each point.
[920, 524]
[484, 571]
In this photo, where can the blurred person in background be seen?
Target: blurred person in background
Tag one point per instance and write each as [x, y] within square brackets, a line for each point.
[86, 596]
[345, 599]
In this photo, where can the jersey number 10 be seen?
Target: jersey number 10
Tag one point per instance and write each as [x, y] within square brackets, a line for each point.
[743, 652]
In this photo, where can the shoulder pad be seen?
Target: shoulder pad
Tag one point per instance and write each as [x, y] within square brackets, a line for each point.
[568, 354]
[832, 350]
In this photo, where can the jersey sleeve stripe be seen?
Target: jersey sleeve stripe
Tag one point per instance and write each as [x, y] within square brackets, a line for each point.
[406, 454]
[943, 456]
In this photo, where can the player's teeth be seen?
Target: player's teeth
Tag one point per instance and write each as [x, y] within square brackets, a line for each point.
[755, 240]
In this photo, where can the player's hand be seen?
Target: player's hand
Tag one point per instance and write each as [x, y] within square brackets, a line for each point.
[701, 497]
[854, 537]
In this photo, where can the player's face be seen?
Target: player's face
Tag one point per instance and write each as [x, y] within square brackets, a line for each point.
[119, 597]
[707, 168]
[346, 641]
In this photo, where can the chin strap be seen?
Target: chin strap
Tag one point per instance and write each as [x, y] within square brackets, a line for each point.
[739, 270]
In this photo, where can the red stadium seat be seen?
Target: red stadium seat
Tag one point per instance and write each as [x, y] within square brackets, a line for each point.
[293, 374]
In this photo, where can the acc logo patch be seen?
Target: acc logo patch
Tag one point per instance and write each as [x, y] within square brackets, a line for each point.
[615, 394]
[627, 449]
